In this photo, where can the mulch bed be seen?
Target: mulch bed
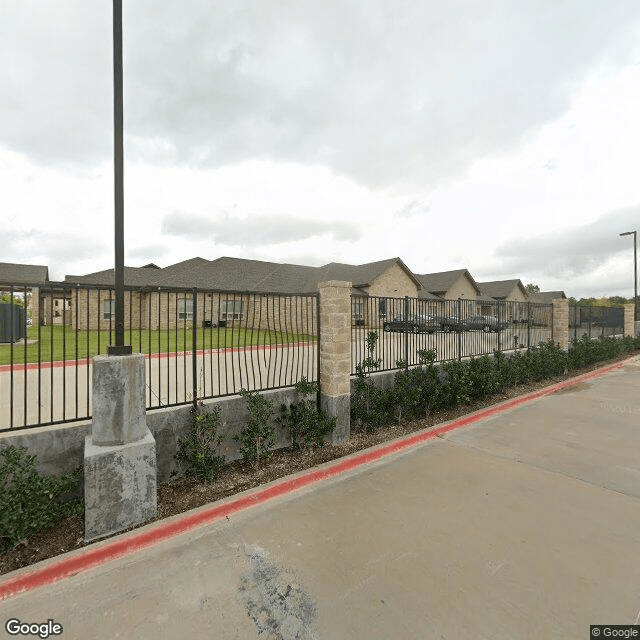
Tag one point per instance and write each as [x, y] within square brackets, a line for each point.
[182, 494]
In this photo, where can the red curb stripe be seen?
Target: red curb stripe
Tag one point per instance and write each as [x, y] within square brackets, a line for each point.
[122, 546]
[155, 356]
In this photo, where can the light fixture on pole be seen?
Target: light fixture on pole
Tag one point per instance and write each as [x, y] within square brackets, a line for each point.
[635, 271]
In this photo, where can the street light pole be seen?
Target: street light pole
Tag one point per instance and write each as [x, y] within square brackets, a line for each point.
[119, 349]
[635, 271]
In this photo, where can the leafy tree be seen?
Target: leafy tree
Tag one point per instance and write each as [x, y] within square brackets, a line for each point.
[6, 297]
[532, 288]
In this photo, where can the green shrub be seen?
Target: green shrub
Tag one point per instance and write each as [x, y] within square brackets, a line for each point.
[457, 386]
[422, 389]
[199, 450]
[485, 377]
[303, 421]
[30, 502]
[257, 439]
[370, 405]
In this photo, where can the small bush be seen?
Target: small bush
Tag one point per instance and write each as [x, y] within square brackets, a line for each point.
[257, 439]
[30, 502]
[198, 451]
[305, 424]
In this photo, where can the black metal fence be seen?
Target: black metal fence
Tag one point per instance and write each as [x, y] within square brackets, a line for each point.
[408, 328]
[197, 344]
[595, 321]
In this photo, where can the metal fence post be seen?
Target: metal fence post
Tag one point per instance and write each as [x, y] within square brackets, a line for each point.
[459, 329]
[406, 333]
[528, 325]
[194, 349]
[318, 394]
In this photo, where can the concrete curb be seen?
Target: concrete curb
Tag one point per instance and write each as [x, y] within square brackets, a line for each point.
[74, 562]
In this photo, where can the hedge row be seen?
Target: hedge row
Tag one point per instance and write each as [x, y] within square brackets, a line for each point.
[419, 391]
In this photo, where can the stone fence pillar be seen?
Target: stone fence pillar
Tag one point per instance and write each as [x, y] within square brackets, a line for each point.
[561, 323]
[120, 453]
[629, 323]
[335, 355]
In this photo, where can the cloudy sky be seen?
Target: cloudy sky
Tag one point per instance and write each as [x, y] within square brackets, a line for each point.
[498, 136]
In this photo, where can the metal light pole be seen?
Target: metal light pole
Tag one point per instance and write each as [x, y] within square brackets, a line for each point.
[119, 349]
[635, 271]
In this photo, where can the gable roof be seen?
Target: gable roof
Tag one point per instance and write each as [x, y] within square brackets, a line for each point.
[362, 275]
[442, 281]
[14, 273]
[133, 277]
[500, 289]
[548, 296]
[240, 274]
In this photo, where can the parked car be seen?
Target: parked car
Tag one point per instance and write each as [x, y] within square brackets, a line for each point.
[450, 323]
[484, 323]
[412, 324]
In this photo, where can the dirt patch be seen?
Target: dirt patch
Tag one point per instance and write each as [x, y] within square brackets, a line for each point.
[182, 494]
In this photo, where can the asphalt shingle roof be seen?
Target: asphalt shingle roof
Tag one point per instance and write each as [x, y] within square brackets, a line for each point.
[548, 296]
[239, 274]
[442, 281]
[500, 288]
[13, 273]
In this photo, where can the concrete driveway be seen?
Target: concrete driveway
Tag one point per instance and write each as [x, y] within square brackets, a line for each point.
[525, 524]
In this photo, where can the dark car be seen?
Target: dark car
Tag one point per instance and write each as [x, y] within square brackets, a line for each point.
[450, 323]
[412, 324]
[484, 323]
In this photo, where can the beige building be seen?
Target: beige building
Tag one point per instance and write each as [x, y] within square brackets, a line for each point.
[272, 293]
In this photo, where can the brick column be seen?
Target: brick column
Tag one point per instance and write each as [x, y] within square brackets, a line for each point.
[629, 324]
[335, 355]
[561, 323]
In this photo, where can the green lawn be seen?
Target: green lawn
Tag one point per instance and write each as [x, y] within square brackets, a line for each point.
[58, 343]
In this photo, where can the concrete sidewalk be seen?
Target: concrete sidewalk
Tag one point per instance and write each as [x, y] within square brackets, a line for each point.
[523, 525]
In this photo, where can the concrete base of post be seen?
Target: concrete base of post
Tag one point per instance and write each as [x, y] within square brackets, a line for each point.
[340, 407]
[120, 454]
[119, 486]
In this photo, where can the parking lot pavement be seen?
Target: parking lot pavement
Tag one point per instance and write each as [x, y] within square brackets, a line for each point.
[522, 525]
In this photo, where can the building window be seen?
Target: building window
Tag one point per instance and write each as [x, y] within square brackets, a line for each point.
[382, 307]
[232, 310]
[109, 309]
[185, 308]
[357, 310]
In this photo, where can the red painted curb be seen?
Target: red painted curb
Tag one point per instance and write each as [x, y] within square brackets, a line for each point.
[130, 543]
[154, 356]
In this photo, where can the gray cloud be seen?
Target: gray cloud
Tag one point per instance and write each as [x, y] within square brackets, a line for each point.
[572, 256]
[573, 251]
[148, 252]
[63, 253]
[33, 244]
[383, 92]
[413, 208]
[255, 230]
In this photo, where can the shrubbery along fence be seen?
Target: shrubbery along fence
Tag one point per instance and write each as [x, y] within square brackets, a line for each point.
[205, 344]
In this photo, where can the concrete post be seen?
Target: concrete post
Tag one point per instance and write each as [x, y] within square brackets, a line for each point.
[629, 323]
[120, 453]
[561, 323]
[335, 355]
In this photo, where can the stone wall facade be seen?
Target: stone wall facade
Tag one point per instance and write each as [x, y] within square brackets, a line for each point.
[560, 327]
[629, 324]
[335, 354]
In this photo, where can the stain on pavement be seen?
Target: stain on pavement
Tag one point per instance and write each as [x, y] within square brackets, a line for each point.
[275, 601]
